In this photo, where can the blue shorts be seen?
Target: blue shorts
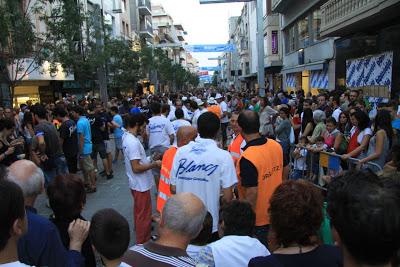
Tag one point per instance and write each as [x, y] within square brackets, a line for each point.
[118, 143]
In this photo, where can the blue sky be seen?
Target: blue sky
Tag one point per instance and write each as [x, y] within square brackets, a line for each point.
[205, 24]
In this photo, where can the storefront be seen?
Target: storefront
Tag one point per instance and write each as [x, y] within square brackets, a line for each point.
[37, 83]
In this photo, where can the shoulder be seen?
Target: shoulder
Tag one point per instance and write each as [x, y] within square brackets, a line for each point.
[267, 261]
[40, 224]
[329, 252]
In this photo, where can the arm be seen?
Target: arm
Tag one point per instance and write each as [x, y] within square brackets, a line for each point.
[137, 167]
[227, 194]
[251, 196]
[171, 139]
[308, 130]
[41, 144]
[338, 140]
[360, 148]
[380, 138]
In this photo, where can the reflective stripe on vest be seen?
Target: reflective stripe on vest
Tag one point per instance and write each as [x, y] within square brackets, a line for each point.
[234, 148]
[164, 191]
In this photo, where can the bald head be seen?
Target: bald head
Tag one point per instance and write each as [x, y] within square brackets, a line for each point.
[184, 214]
[28, 176]
[249, 121]
[185, 134]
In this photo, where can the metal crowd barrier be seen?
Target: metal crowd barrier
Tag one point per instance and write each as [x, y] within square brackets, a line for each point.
[320, 164]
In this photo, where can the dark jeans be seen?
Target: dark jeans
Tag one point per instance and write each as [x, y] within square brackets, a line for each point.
[261, 233]
[72, 163]
[59, 169]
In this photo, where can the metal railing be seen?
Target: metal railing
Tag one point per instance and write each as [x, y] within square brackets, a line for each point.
[335, 12]
[144, 3]
[319, 166]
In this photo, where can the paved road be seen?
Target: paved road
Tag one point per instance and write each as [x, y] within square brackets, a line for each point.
[112, 193]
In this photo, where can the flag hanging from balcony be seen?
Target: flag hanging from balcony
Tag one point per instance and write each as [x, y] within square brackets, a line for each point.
[370, 70]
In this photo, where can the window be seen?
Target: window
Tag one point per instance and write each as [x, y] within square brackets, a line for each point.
[123, 6]
[316, 25]
[123, 28]
[304, 35]
[127, 29]
[291, 38]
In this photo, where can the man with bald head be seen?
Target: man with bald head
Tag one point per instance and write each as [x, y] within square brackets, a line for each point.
[181, 221]
[41, 245]
[184, 135]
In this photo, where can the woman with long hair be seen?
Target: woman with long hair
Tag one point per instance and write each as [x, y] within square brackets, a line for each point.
[344, 125]
[360, 134]
[307, 123]
[380, 142]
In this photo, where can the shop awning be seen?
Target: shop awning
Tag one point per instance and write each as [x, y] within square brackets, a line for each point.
[318, 65]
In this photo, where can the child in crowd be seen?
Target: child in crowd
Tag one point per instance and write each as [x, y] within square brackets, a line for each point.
[300, 156]
[109, 233]
[332, 135]
[315, 149]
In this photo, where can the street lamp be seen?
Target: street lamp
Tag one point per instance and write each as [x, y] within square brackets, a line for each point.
[260, 38]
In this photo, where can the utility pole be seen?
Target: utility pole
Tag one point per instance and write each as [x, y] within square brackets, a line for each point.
[260, 48]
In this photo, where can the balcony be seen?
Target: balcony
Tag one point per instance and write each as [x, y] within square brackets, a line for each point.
[144, 7]
[279, 6]
[146, 29]
[271, 20]
[343, 17]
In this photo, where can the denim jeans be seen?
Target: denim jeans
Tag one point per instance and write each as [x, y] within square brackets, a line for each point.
[61, 167]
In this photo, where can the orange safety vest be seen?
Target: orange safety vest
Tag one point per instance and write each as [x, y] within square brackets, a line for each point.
[268, 159]
[216, 109]
[164, 191]
[235, 149]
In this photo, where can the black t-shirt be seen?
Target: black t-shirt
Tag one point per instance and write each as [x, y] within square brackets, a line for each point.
[68, 133]
[106, 118]
[96, 123]
[53, 147]
[322, 256]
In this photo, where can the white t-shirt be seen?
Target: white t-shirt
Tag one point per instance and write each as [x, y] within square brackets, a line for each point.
[196, 116]
[178, 124]
[366, 131]
[133, 149]
[202, 168]
[236, 250]
[14, 264]
[188, 114]
[171, 115]
[336, 114]
[224, 108]
[159, 129]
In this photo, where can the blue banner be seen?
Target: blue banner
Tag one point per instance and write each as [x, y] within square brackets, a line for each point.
[210, 48]
[216, 68]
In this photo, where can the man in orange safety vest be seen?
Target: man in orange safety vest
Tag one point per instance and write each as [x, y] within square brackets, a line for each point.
[184, 135]
[237, 144]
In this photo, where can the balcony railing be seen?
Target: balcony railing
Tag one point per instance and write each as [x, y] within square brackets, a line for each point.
[338, 14]
[146, 29]
[144, 7]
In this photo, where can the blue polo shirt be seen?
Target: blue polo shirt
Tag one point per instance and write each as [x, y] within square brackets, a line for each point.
[118, 131]
[83, 127]
[42, 246]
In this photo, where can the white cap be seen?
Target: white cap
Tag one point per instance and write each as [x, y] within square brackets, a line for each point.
[211, 100]
[199, 102]
[184, 98]
[218, 96]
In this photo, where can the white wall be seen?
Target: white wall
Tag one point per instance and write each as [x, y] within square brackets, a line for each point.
[252, 28]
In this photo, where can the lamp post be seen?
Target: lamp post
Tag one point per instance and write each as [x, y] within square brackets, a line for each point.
[260, 39]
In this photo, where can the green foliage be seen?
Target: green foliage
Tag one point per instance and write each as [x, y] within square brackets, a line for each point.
[123, 64]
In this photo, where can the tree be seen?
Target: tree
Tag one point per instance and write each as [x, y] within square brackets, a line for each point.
[74, 37]
[123, 64]
[22, 48]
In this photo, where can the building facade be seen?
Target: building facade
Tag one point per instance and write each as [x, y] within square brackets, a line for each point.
[308, 58]
[368, 51]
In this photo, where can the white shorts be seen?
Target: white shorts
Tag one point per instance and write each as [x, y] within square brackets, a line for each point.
[107, 143]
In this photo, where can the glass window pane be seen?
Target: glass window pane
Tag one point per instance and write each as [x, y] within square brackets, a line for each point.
[303, 32]
[317, 24]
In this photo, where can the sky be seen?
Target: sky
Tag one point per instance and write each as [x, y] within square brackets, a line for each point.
[205, 24]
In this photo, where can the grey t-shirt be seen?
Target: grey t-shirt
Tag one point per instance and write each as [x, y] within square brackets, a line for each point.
[53, 147]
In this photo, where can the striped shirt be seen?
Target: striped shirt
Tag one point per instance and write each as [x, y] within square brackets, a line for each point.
[156, 255]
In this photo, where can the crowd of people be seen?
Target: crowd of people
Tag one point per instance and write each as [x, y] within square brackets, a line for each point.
[238, 177]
